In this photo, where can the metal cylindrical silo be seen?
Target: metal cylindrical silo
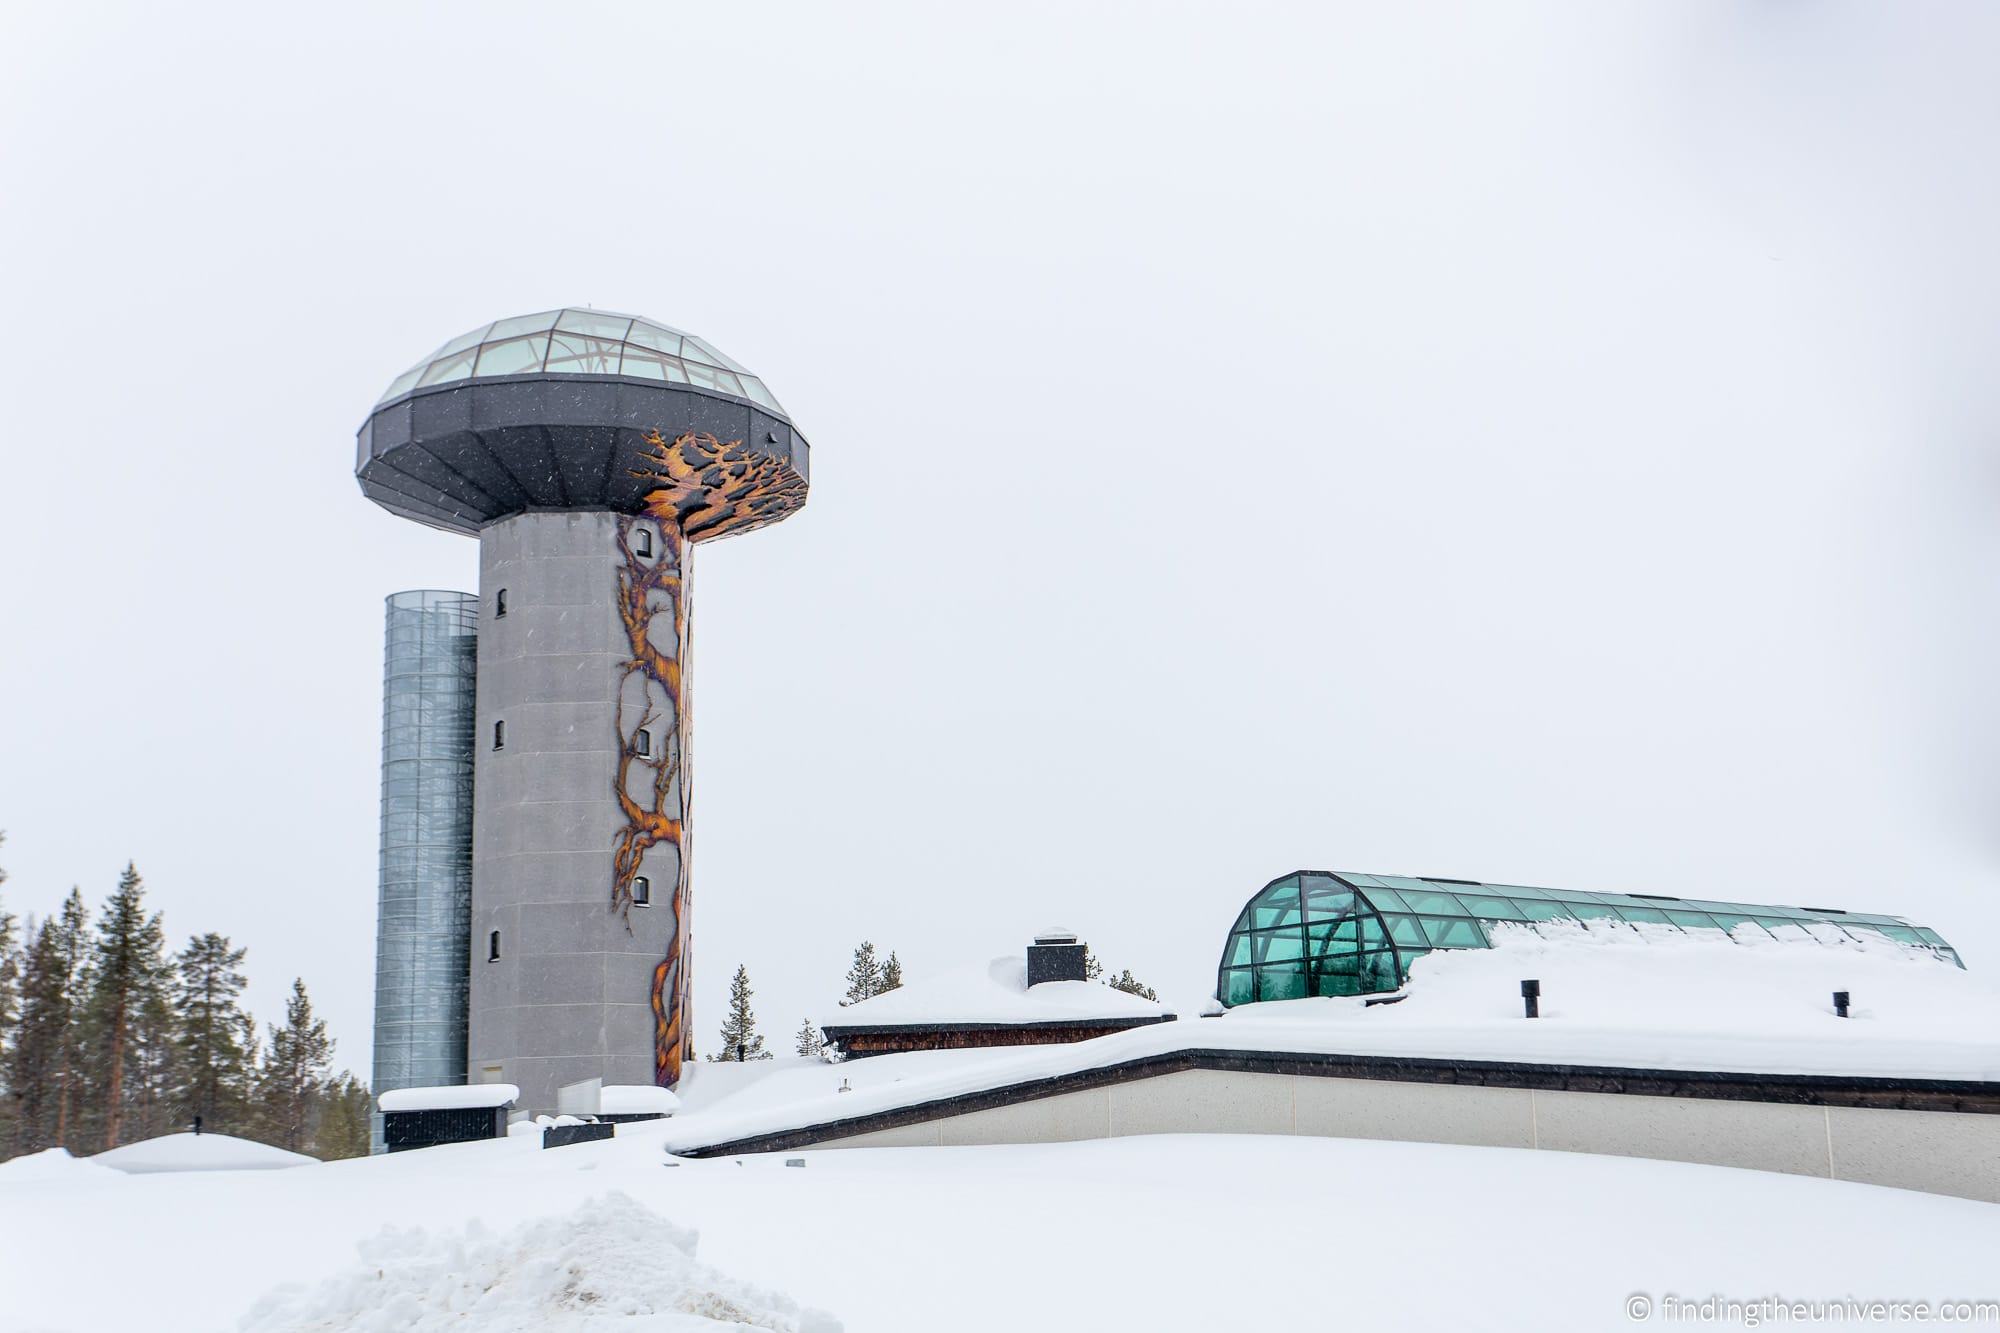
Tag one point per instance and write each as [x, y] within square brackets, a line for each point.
[425, 878]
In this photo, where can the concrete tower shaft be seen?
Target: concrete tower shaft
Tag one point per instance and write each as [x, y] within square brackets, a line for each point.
[589, 453]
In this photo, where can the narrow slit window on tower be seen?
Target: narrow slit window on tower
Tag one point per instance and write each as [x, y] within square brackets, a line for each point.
[499, 735]
[500, 604]
[642, 891]
[493, 947]
[642, 541]
[642, 744]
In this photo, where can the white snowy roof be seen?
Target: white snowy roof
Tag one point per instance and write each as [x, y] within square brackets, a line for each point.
[636, 1099]
[1611, 997]
[995, 992]
[457, 1097]
[199, 1152]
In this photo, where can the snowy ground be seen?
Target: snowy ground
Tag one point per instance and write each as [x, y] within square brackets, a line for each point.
[1157, 1234]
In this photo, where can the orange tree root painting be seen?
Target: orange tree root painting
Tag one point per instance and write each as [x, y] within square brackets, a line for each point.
[699, 487]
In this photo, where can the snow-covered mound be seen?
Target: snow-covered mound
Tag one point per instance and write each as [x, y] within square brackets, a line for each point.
[48, 1164]
[610, 1260]
[199, 1152]
[995, 992]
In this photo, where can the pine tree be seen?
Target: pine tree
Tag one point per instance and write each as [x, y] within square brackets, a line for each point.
[155, 1078]
[12, 950]
[740, 1038]
[294, 1072]
[809, 1042]
[128, 971]
[70, 945]
[216, 1058]
[1092, 969]
[892, 974]
[10, 976]
[1131, 985]
[36, 1055]
[864, 975]
[340, 1119]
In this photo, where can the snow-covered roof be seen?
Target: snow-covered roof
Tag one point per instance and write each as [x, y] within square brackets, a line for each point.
[636, 1099]
[995, 992]
[199, 1152]
[457, 1097]
[1610, 998]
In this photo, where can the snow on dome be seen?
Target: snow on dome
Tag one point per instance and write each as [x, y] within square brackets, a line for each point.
[199, 1152]
[636, 1099]
[995, 992]
[457, 1097]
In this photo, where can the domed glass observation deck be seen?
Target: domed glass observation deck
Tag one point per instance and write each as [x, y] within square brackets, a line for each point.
[582, 409]
[1318, 933]
[584, 342]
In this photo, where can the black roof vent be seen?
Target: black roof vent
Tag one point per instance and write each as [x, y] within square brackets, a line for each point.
[1656, 897]
[1440, 879]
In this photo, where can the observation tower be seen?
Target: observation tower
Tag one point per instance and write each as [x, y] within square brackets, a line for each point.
[588, 452]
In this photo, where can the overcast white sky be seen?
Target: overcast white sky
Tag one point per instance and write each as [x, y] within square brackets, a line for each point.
[1536, 443]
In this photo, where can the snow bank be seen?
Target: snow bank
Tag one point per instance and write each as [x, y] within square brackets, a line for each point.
[995, 992]
[610, 1260]
[455, 1097]
[48, 1164]
[199, 1152]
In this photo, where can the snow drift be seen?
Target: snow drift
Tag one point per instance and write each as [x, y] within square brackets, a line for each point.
[612, 1259]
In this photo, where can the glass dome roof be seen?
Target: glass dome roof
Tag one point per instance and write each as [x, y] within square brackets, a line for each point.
[584, 342]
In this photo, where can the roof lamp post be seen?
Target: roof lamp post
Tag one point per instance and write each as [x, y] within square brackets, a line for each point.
[1531, 998]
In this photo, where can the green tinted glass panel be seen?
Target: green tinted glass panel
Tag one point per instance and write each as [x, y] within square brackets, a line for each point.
[1521, 891]
[1281, 983]
[1372, 933]
[1276, 946]
[1653, 914]
[1453, 934]
[1274, 914]
[1405, 931]
[1480, 904]
[1378, 972]
[1543, 911]
[1903, 933]
[1691, 920]
[1434, 904]
[1387, 900]
[1328, 902]
[1238, 986]
[1239, 950]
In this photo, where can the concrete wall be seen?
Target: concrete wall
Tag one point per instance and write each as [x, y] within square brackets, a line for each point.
[570, 997]
[1938, 1151]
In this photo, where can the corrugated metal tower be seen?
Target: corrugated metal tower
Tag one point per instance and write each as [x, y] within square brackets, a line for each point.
[425, 877]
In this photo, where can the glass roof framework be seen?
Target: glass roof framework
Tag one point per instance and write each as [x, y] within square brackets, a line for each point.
[1316, 933]
[584, 342]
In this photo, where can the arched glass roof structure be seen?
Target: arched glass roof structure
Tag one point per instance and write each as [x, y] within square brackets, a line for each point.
[1319, 933]
[583, 342]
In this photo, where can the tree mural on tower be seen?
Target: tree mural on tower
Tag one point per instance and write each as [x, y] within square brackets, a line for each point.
[701, 488]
